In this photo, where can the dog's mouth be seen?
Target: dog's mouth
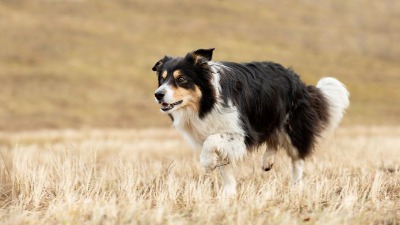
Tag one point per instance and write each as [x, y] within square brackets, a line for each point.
[167, 107]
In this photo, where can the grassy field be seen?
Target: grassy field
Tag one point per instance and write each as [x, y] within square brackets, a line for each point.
[82, 141]
[86, 63]
[151, 176]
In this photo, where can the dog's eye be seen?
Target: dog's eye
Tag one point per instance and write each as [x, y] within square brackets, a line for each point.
[180, 79]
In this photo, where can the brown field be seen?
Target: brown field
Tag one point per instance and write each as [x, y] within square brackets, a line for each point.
[82, 141]
[87, 63]
[151, 176]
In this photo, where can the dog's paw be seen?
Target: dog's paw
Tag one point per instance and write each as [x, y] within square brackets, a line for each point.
[267, 165]
[268, 160]
[296, 182]
[209, 161]
[228, 193]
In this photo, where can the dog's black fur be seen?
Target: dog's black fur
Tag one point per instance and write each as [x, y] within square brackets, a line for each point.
[274, 99]
[271, 99]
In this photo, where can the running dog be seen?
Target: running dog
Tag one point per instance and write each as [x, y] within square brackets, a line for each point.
[229, 108]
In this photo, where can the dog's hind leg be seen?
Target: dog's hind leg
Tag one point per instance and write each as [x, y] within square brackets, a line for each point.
[268, 159]
[297, 165]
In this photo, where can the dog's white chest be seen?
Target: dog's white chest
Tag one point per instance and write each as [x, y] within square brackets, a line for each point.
[195, 130]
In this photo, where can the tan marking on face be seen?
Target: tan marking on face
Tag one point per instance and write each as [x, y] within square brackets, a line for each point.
[176, 74]
[194, 97]
[164, 74]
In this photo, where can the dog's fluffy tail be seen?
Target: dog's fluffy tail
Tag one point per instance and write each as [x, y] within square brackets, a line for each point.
[337, 97]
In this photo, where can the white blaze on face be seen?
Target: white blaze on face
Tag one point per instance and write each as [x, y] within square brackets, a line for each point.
[169, 93]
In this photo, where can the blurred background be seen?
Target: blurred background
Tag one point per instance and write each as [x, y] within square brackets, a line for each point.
[87, 63]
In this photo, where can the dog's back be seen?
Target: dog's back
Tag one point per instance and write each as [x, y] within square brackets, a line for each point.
[272, 99]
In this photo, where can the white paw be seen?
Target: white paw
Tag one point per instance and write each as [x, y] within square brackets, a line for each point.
[228, 192]
[209, 161]
[296, 182]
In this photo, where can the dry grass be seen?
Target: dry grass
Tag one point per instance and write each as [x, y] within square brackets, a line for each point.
[85, 64]
[151, 177]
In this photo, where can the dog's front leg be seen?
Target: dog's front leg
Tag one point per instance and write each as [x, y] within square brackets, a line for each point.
[213, 155]
[221, 150]
[228, 181]
[213, 147]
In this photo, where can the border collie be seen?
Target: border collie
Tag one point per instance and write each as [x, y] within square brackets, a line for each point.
[229, 108]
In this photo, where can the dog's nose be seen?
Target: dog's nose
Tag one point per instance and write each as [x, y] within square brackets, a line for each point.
[159, 95]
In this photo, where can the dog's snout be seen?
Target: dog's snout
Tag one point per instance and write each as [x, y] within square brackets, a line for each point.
[159, 95]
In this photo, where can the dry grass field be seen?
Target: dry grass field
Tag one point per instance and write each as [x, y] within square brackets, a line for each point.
[151, 176]
[82, 141]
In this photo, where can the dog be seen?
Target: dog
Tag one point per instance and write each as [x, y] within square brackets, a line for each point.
[228, 109]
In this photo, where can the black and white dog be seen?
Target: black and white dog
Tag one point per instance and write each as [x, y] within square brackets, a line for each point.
[230, 108]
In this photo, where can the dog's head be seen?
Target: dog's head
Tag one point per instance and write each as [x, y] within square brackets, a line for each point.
[185, 82]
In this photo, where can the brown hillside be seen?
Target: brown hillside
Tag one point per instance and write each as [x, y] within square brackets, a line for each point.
[86, 63]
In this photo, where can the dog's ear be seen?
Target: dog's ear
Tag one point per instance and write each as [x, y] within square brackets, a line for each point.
[201, 56]
[157, 65]
[160, 62]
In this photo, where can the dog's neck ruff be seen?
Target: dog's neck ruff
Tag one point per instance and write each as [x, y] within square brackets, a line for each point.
[223, 118]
